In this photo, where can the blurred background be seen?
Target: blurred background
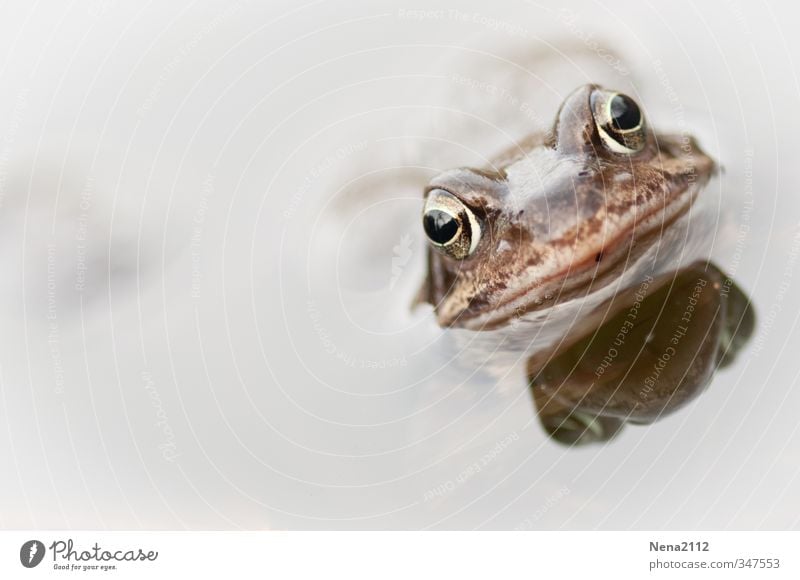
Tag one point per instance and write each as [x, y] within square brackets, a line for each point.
[210, 243]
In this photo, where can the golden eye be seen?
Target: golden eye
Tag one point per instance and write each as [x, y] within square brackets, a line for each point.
[451, 226]
[619, 121]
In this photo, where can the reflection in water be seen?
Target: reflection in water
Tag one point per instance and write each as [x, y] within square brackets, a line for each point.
[224, 291]
[656, 349]
[586, 251]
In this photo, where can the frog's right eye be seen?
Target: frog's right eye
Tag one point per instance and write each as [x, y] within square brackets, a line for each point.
[451, 226]
[619, 121]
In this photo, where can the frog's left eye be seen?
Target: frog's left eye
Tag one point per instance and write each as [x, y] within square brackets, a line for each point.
[451, 226]
[619, 121]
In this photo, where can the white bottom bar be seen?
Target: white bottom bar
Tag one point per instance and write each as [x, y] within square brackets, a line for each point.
[440, 555]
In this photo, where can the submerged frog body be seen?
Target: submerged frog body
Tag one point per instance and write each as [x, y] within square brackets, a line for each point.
[560, 237]
[658, 352]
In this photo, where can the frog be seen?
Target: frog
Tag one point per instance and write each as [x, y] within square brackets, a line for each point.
[583, 242]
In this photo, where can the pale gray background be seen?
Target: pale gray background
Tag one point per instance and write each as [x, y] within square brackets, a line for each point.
[190, 163]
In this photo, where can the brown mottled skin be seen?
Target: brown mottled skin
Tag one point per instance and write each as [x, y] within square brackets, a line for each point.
[559, 201]
[562, 215]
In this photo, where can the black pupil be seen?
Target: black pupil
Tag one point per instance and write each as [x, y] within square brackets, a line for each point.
[440, 226]
[625, 113]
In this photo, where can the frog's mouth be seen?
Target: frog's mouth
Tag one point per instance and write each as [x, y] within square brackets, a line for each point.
[627, 257]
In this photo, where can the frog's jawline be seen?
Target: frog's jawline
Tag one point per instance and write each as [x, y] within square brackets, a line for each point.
[583, 281]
